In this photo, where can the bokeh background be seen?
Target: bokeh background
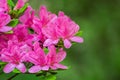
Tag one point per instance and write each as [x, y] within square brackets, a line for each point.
[98, 58]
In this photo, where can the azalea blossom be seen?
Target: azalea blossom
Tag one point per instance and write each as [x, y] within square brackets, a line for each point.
[67, 29]
[38, 58]
[14, 58]
[54, 58]
[42, 61]
[62, 28]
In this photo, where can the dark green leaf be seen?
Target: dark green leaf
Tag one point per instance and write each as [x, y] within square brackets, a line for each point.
[13, 23]
[42, 78]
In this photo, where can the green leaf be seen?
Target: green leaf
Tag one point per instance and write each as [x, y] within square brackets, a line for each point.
[16, 71]
[51, 77]
[46, 50]
[42, 78]
[11, 3]
[48, 77]
[13, 23]
[79, 33]
[2, 63]
[21, 10]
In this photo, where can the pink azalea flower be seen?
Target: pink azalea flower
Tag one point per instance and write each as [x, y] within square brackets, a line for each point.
[47, 17]
[67, 29]
[38, 25]
[32, 22]
[54, 59]
[51, 33]
[20, 4]
[4, 20]
[62, 28]
[14, 57]
[38, 58]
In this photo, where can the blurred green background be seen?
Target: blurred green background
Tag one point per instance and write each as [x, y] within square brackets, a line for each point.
[98, 58]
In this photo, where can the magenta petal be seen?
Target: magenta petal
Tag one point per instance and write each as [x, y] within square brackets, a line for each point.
[21, 67]
[34, 69]
[67, 43]
[77, 39]
[9, 67]
[61, 66]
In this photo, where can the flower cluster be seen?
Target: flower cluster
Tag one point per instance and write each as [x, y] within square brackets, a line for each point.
[31, 43]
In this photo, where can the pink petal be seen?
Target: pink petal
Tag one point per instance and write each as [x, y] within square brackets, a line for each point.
[61, 56]
[43, 13]
[77, 39]
[55, 41]
[21, 67]
[48, 42]
[9, 67]
[34, 69]
[51, 56]
[61, 66]
[45, 68]
[39, 51]
[36, 45]
[5, 29]
[32, 60]
[53, 67]
[67, 43]
[2, 10]
[52, 50]
[61, 13]
[4, 19]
